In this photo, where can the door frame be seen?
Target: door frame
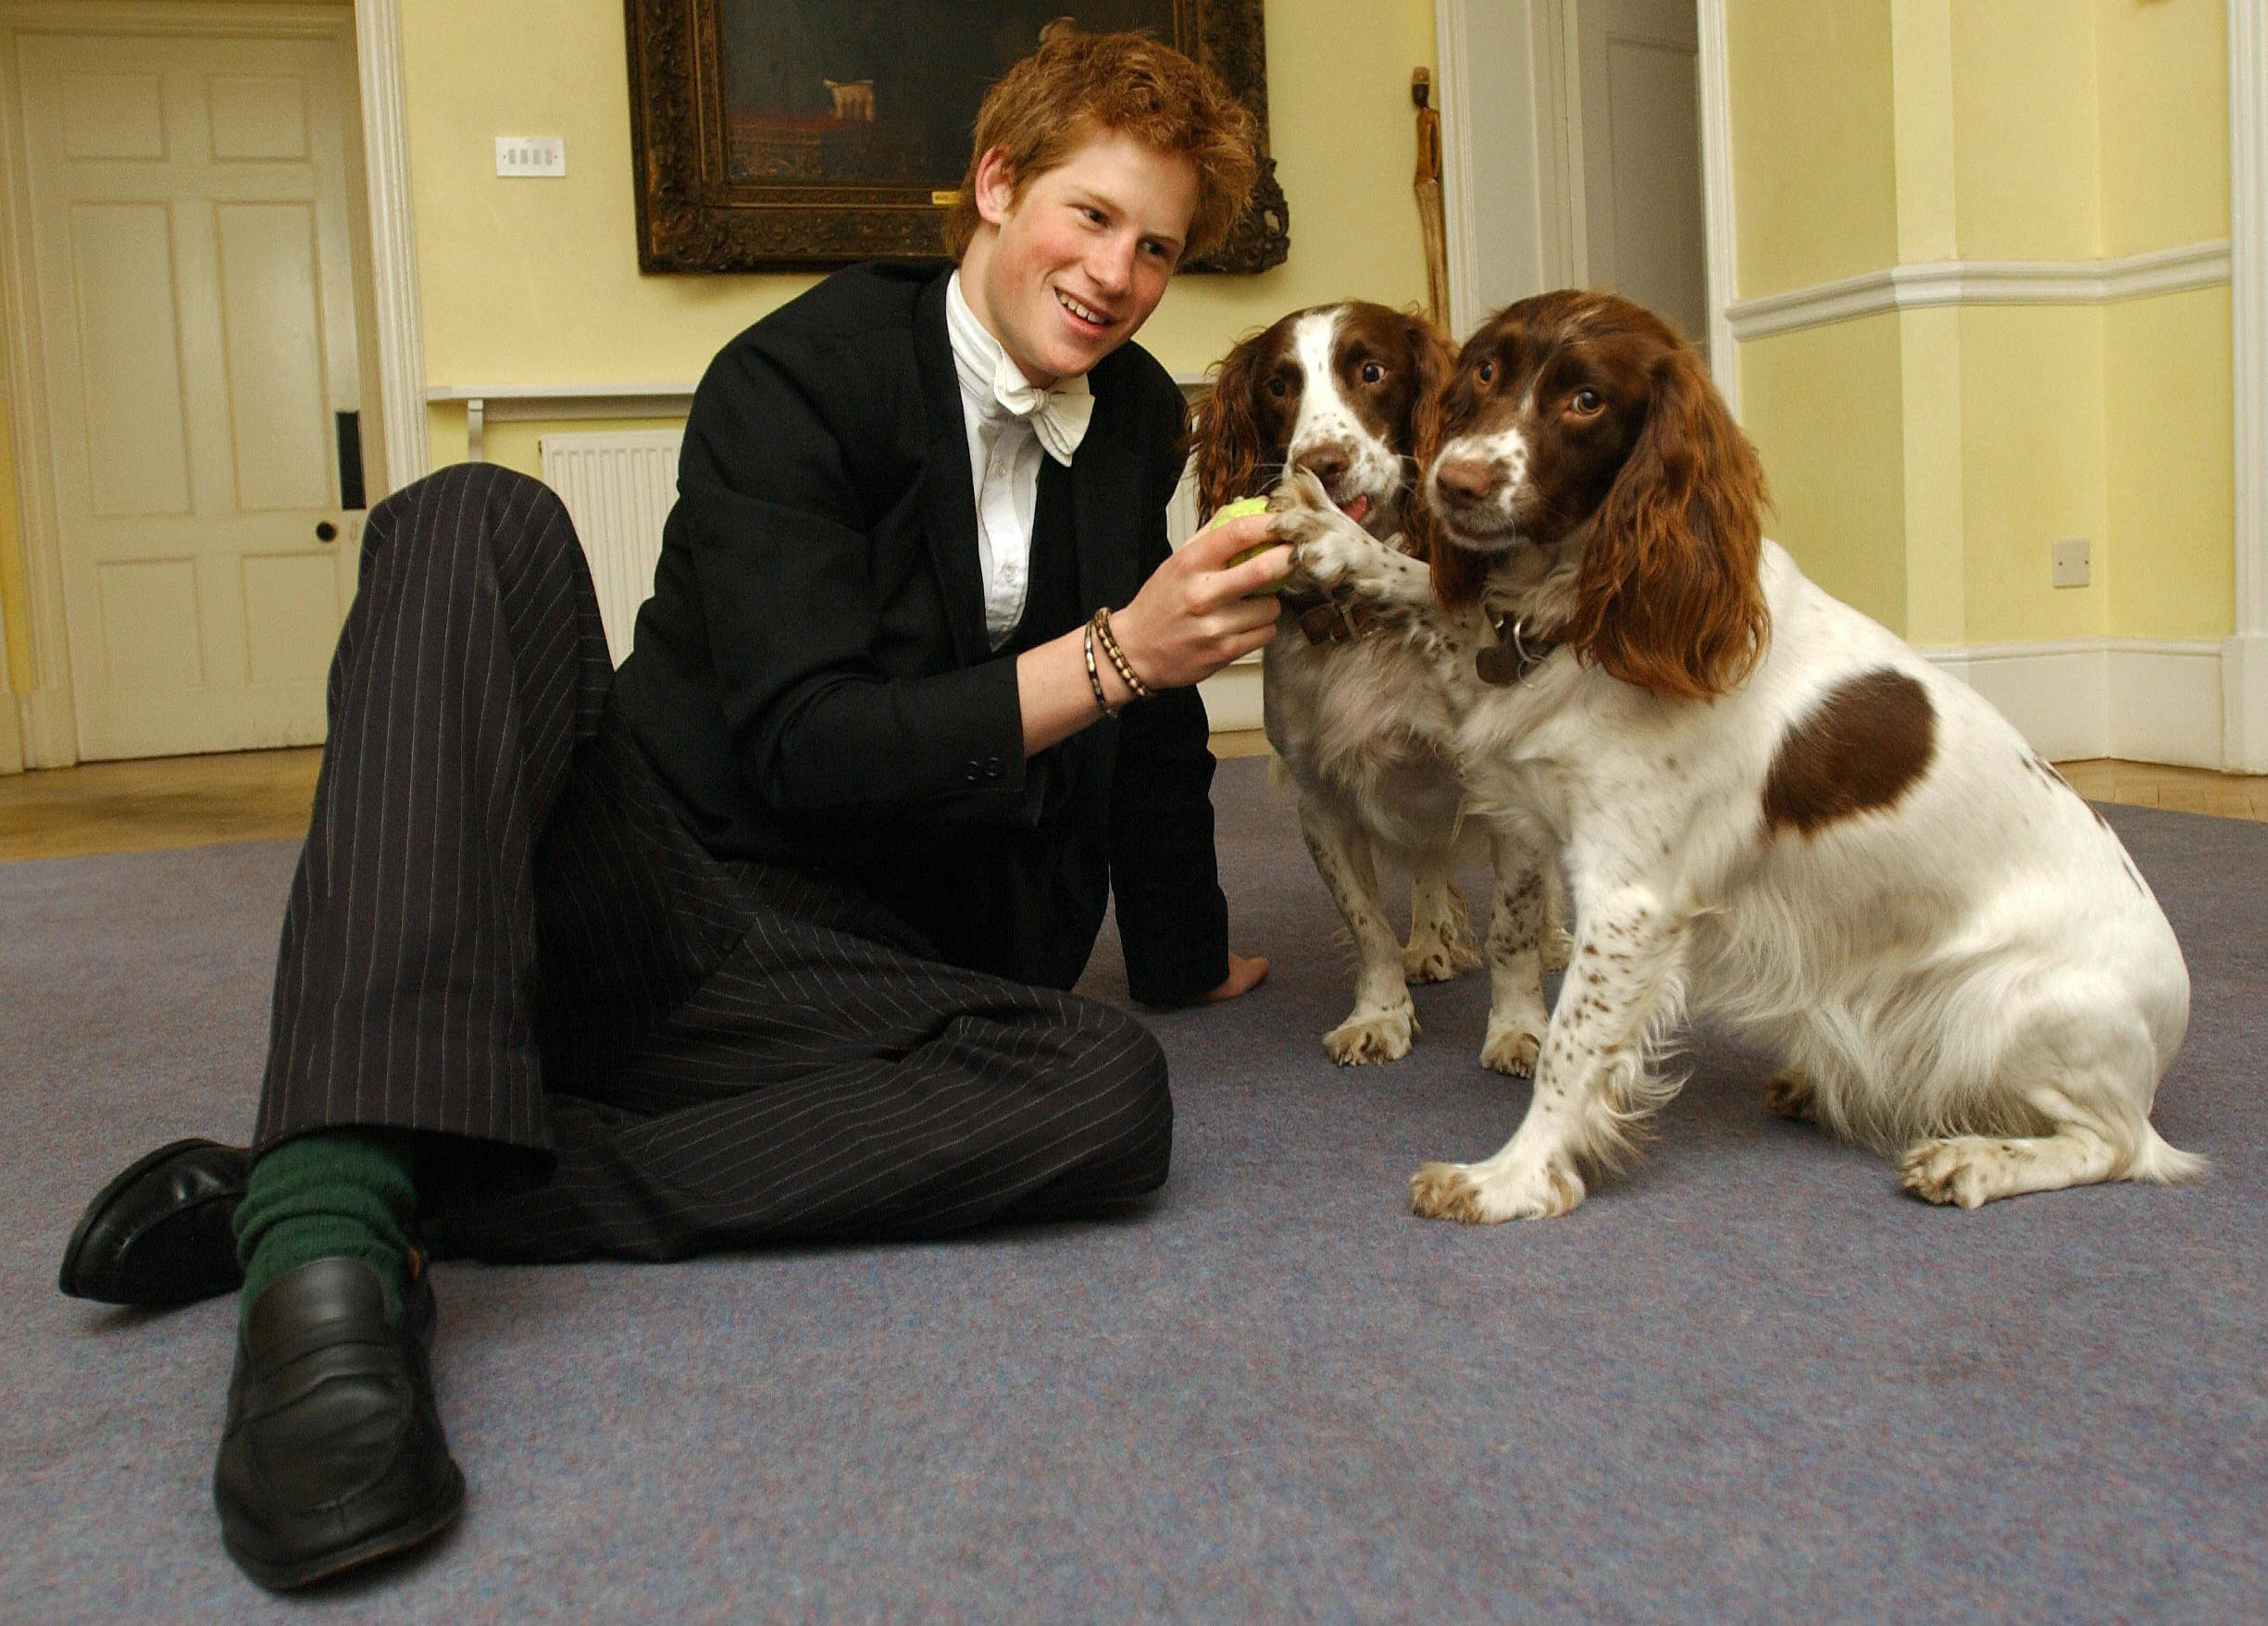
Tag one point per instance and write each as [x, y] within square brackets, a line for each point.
[46, 731]
[1518, 197]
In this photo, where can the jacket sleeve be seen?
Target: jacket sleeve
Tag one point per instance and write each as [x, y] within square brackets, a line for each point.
[781, 484]
[1173, 922]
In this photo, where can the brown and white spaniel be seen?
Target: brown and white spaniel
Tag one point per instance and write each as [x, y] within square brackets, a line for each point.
[1772, 811]
[1361, 727]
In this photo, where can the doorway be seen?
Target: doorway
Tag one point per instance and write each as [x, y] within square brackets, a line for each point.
[192, 305]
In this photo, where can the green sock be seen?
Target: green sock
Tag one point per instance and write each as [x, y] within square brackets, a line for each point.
[336, 1192]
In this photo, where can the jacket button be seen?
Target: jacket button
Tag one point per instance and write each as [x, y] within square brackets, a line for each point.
[973, 772]
[992, 767]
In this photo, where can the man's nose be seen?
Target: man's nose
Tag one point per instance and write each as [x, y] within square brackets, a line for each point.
[1112, 265]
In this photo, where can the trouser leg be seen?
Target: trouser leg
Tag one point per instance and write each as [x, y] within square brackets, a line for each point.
[471, 671]
[822, 1085]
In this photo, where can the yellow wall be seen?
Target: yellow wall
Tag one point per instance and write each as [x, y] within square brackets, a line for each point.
[537, 281]
[2017, 130]
[1813, 152]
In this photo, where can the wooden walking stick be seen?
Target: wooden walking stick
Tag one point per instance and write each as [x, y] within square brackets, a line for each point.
[1427, 185]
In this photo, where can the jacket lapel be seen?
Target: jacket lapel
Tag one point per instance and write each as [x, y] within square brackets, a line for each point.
[1106, 506]
[949, 495]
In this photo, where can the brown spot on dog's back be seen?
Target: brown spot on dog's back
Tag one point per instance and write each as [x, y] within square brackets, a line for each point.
[1860, 749]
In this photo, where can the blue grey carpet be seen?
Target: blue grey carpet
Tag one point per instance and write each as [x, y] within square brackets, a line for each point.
[1750, 1381]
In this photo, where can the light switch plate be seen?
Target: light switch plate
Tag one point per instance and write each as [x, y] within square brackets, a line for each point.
[2067, 562]
[530, 154]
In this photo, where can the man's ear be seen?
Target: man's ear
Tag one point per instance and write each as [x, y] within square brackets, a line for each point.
[995, 187]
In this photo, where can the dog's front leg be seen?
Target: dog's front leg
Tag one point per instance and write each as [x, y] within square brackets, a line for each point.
[1381, 1024]
[1591, 1080]
[1516, 926]
[1440, 935]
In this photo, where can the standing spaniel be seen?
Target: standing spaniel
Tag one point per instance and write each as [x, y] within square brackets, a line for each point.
[1362, 728]
[1772, 810]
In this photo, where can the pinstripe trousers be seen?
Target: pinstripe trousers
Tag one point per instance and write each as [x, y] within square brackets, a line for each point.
[604, 1041]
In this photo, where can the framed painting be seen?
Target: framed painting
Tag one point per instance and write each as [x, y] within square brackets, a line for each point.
[771, 135]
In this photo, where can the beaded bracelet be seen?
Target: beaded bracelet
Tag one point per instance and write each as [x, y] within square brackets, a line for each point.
[1117, 656]
[1094, 679]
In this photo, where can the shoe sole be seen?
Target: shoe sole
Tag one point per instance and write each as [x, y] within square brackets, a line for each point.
[370, 1550]
[66, 1277]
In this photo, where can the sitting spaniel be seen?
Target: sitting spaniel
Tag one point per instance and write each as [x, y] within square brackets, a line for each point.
[1363, 731]
[1772, 811]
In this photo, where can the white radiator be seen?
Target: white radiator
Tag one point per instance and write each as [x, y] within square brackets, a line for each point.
[617, 486]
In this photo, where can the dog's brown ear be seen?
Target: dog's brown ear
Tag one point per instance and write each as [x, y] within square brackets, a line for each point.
[1225, 429]
[1458, 576]
[1667, 597]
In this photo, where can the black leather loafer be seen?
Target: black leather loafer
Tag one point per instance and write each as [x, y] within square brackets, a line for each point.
[160, 1232]
[333, 1455]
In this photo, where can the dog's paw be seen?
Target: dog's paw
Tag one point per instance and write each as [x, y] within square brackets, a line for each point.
[1480, 1196]
[1327, 547]
[1512, 1047]
[1437, 955]
[1965, 1169]
[1375, 1035]
[1789, 1094]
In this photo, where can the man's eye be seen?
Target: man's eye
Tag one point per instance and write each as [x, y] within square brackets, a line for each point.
[1372, 372]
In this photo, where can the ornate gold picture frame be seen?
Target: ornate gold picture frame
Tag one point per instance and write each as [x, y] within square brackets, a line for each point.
[771, 135]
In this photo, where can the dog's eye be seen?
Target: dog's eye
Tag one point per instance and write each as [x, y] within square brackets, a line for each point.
[1585, 402]
[1279, 389]
[1485, 372]
[1372, 372]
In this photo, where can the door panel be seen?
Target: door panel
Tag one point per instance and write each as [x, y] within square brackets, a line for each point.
[188, 208]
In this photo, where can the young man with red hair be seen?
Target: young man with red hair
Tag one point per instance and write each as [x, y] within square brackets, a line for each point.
[767, 936]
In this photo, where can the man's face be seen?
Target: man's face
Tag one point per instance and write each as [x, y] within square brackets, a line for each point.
[1063, 275]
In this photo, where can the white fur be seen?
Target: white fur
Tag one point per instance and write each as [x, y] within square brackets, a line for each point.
[1366, 738]
[1976, 976]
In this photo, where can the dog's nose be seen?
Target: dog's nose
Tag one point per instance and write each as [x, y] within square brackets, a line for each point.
[1327, 463]
[1467, 477]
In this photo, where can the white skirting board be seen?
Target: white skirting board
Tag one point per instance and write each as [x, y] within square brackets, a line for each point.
[2149, 701]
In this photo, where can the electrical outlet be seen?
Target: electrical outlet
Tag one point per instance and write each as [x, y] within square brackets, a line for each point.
[530, 154]
[2067, 562]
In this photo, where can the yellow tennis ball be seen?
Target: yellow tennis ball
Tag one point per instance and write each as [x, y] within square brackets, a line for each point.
[1238, 510]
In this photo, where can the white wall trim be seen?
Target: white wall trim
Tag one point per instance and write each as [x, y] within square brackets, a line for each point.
[1973, 282]
[2143, 700]
[400, 339]
[1501, 75]
[1720, 224]
[2244, 667]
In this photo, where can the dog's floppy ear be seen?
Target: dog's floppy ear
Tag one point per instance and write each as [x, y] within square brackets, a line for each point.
[1225, 428]
[1667, 597]
[1458, 576]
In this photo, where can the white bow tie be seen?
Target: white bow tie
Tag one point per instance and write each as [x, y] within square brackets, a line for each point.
[1057, 416]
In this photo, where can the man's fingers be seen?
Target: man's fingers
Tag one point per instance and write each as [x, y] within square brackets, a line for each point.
[1263, 572]
[1212, 548]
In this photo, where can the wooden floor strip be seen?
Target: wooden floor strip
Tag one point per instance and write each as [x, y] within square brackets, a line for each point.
[251, 796]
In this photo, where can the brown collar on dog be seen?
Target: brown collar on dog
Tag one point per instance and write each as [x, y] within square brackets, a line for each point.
[1515, 652]
[1327, 620]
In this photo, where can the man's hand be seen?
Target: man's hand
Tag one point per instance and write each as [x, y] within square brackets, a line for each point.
[1197, 612]
[1245, 973]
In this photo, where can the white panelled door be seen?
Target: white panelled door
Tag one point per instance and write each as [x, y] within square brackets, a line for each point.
[195, 301]
[1637, 74]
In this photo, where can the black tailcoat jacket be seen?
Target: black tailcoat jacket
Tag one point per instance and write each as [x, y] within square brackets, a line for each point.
[811, 681]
